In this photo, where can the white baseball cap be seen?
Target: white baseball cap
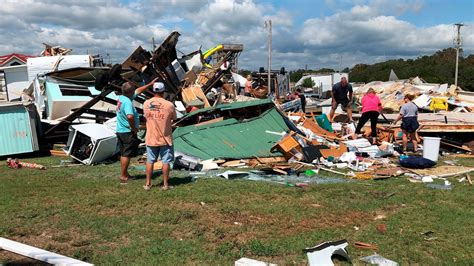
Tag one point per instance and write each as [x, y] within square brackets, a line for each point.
[158, 87]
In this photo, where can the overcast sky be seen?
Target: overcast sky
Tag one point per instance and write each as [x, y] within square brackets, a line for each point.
[325, 33]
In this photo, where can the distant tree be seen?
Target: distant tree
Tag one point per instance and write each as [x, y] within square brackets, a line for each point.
[244, 72]
[436, 68]
[325, 70]
[308, 83]
[296, 75]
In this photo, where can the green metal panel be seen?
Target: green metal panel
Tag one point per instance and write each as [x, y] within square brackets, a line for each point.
[15, 132]
[230, 138]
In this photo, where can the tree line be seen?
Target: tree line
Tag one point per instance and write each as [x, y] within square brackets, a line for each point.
[436, 68]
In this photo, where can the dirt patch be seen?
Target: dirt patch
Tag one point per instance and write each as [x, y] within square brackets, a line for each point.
[46, 236]
[217, 224]
[113, 212]
[328, 220]
[11, 258]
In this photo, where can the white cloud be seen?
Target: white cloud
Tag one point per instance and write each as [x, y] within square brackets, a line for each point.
[360, 31]
[365, 33]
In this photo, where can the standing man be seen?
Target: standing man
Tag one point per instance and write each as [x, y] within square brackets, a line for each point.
[341, 94]
[127, 126]
[159, 114]
[303, 100]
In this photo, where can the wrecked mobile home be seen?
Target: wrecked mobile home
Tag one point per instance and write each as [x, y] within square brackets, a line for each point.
[76, 96]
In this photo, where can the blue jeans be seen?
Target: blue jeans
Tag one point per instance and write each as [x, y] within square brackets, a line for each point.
[166, 154]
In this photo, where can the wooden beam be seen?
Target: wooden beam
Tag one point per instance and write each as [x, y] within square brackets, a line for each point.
[458, 128]
[39, 254]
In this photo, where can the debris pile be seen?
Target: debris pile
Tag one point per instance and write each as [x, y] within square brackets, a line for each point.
[226, 120]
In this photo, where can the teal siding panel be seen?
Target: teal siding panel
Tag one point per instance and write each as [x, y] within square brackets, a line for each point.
[15, 130]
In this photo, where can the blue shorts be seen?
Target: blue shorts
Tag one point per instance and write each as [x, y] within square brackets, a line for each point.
[165, 152]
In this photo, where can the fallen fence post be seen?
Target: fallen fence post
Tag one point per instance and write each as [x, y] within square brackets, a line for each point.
[39, 254]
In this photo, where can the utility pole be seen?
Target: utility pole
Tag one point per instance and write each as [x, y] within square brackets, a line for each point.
[152, 44]
[457, 44]
[268, 25]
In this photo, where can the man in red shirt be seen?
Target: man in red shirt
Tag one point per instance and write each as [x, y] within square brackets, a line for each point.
[159, 114]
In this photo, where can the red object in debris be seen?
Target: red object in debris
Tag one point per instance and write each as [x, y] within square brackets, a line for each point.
[191, 109]
[15, 164]
[301, 184]
[382, 228]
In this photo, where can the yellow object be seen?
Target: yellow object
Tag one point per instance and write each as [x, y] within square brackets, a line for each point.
[364, 175]
[439, 104]
[211, 52]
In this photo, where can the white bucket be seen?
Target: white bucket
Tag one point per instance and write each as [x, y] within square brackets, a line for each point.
[431, 148]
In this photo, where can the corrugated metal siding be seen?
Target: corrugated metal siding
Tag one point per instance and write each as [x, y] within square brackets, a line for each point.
[235, 140]
[15, 130]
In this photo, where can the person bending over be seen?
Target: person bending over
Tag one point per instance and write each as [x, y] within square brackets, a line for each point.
[371, 108]
[341, 94]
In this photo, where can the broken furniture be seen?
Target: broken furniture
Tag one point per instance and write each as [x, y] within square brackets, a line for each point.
[288, 145]
[91, 143]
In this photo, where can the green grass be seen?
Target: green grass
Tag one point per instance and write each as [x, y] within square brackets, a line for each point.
[84, 212]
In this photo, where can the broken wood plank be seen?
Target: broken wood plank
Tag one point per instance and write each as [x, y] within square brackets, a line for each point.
[457, 173]
[279, 171]
[58, 153]
[210, 121]
[336, 153]
[38, 254]
[464, 148]
[232, 163]
[265, 161]
[463, 155]
[438, 128]
[469, 180]
[333, 171]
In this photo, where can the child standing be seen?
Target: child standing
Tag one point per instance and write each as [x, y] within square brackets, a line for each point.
[409, 117]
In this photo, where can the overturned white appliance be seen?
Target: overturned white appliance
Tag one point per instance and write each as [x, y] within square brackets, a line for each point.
[91, 143]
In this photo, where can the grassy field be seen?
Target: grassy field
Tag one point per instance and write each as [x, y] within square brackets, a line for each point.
[84, 212]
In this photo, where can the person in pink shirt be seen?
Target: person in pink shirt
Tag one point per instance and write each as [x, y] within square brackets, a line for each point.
[371, 108]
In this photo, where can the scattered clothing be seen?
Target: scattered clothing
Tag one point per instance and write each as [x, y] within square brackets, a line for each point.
[416, 162]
